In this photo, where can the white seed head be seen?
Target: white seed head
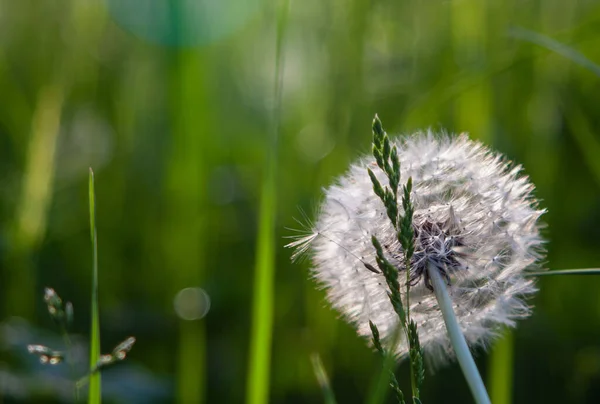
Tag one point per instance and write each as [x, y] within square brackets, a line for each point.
[474, 217]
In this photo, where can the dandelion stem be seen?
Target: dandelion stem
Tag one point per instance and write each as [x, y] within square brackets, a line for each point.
[465, 360]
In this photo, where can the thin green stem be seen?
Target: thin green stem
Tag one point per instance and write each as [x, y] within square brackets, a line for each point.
[413, 376]
[586, 271]
[381, 385]
[500, 379]
[322, 379]
[465, 359]
[555, 46]
[257, 387]
[94, 393]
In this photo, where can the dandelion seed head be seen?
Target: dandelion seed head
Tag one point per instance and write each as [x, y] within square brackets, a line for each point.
[475, 219]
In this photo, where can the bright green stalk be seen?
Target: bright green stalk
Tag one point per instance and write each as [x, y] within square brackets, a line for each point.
[257, 388]
[94, 394]
[501, 370]
[262, 310]
[192, 155]
[184, 236]
[457, 339]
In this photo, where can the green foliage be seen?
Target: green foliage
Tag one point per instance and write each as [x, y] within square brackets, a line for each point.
[178, 136]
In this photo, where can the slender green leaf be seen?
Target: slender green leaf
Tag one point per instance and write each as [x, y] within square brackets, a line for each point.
[586, 271]
[322, 379]
[386, 377]
[257, 388]
[382, 383]
[555, 46]
[500, 379]
[94, 394]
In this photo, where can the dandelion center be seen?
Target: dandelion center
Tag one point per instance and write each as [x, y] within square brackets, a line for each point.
[436, 243]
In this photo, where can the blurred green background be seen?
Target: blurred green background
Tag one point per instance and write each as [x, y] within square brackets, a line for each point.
[172, 104]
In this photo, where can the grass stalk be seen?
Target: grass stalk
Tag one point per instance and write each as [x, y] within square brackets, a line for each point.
[555, 46]
[501, 370]
[381, 385]
[384, 380]
[257, 388]
[584, 271]
[322, 379]
[262, 308]
[465, 359]
[94, 393]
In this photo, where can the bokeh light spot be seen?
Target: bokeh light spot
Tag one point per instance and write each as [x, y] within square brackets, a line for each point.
[192, 303]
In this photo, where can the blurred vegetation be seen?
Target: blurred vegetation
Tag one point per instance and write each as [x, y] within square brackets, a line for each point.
[171, 103]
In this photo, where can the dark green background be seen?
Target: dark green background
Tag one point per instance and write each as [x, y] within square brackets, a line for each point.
[170, 103]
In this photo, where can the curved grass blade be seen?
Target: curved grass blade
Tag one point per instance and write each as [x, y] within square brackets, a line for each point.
[322, 379]
[580, 128]
[94, 393]
[554, 46]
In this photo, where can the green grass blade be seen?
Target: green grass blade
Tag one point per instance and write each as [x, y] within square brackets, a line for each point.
[262, 310]
[381, 386]
[386, 377]
[94, 394]
[257, 388]
[501, 370]
[555, 46]
[586, 271]
[322, 379]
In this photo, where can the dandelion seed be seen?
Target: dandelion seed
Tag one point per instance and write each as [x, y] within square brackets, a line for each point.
[475, 221]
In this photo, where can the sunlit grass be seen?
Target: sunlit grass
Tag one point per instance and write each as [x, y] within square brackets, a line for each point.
[162, 124]
[94, 393]
[257, 388]
[501, 369]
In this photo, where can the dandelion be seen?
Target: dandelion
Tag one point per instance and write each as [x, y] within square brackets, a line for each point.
[475, 223]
